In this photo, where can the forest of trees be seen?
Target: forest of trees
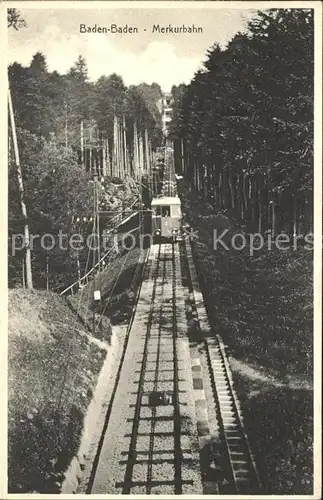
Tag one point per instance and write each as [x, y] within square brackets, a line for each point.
[244, 125]
[243, 128]
[52, 112]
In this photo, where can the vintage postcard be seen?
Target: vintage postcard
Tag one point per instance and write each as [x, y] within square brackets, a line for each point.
[161, 279]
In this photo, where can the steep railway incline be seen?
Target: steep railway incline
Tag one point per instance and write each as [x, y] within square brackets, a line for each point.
[152, 449]
[174, 426]
[233, 461]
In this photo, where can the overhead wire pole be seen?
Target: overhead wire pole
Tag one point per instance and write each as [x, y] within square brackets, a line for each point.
[93, 247]
[96, 229]
[66, 128]
[29, 279]
[97, 207]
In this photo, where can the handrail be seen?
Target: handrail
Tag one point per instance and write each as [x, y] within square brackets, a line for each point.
[123, 221]
[87, 274]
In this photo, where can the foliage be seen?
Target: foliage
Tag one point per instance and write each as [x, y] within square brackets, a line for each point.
[262, 306]
[53, 370]
[246, 123]
[14, 20]
[56, 188]
[46, 102]
[49, 110]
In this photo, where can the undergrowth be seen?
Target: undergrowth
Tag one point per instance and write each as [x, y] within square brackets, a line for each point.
[118, 283]
[53, 369]
[262, 306]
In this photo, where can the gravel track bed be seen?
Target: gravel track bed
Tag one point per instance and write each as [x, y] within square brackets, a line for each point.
[176, 448]
[152, 467]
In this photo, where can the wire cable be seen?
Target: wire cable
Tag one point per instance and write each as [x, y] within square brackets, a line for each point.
[114, 285]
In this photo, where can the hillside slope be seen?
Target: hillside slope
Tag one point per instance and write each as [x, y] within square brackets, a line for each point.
[262, 306]
[118, 283]
[53, 369]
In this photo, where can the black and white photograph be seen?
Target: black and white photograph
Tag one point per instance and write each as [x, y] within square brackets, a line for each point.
[162, 199]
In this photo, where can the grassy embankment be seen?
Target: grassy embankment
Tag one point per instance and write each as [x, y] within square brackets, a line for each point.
[262, 306]
[118, 283]
[53, 369]
[54, 363]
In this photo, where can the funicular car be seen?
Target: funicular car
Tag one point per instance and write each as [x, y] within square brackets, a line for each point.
[166, 218]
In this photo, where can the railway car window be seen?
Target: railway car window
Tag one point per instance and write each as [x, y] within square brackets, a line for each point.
[157, 212]
[165, 211]
[176, 211]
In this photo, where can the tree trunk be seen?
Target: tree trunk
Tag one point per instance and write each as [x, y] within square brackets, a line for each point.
[126, 165]
[115, 147]
[273, 218]
[109, 163]
[119, 158]
[107, 157]
[198, 180]
[82, 144]
[209, 180]
[244, 192]
[224, 194]
[182, 157]
[90, 153]
[120, 150]
[221, 190]
[295, 225]
[147, 152]
[135, 150]
[23, 273]
[259, 210]
[141, 155]
[231, 188]
[241, 195]
[47, 272]
[29, 278]
[253, 201]
[66, 139]
[214, 186]
[104, 157]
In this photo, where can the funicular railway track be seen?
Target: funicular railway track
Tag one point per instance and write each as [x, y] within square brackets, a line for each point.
[159, 357]
[233, 462]
[174, 424]
[195, 443]
[147, 448]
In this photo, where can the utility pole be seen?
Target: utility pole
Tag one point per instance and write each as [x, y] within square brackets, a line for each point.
[115, 147]
[29, 279]
[82, 144]
[96, 285]
[66, 130]
[125, 146]
[47, 271]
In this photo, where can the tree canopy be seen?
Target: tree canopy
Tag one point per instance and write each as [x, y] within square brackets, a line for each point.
[246, 122]
[49, 110]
